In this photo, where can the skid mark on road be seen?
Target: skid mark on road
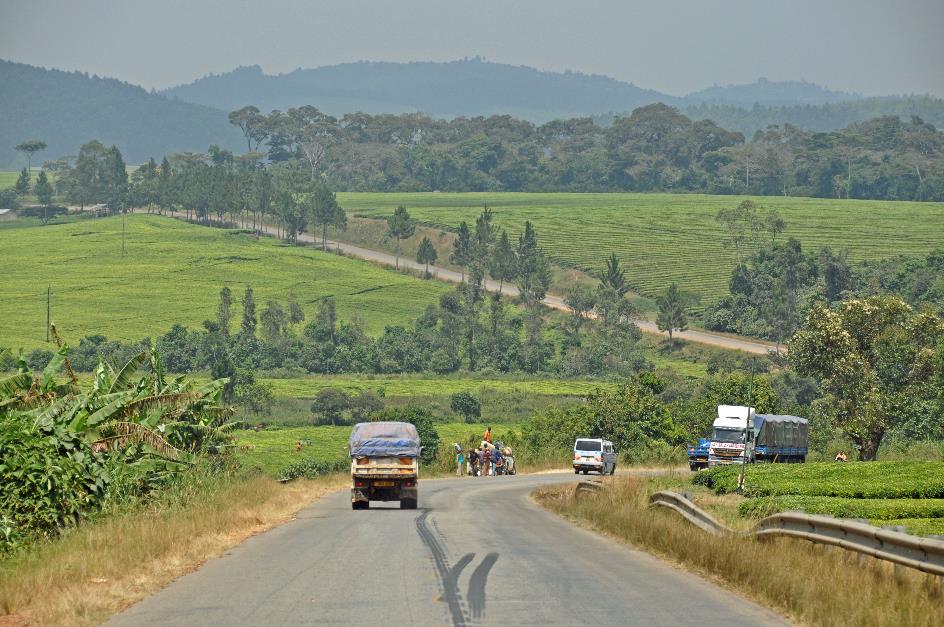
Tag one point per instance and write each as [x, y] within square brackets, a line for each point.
[476, 595]
[448, 576]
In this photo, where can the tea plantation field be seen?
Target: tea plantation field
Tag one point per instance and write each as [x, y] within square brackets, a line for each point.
[420, 386]
[908, 494]
[663, 238]
[173, 272]
[275, 450]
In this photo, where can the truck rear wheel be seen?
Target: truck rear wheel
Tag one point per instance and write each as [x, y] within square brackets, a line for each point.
[407, 503]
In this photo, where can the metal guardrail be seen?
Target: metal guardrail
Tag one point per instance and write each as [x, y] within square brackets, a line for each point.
[924, 554]
[688, 510]
[587, 487]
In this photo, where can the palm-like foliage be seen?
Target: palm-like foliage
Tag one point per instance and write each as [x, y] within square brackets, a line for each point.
[124, 406]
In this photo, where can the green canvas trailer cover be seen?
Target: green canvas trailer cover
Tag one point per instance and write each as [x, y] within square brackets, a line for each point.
[781, 432]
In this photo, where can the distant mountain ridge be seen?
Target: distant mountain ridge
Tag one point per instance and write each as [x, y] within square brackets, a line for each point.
[770, 94]
[472, 87]
[67, 109]
[450, 89]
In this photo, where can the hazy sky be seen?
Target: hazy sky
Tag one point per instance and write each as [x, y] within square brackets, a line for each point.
[675, 46]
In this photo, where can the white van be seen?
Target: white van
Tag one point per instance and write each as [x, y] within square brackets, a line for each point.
[594, 454]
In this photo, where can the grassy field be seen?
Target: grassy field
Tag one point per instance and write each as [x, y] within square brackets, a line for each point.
[274, 450]
[672, 237]
[173, 272]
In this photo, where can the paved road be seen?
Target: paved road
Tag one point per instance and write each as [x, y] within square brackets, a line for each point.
[476, 552]
[554, 302]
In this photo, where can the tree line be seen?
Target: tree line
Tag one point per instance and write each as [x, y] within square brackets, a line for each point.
[654, 148]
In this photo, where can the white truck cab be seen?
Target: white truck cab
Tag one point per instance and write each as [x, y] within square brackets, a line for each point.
[594, 454]
[728, 435]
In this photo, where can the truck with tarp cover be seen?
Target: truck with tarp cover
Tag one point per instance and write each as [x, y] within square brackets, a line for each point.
[384, 463]
[780, 438]
[738, 435]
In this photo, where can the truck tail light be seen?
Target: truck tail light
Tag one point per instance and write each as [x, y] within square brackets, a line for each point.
[360, 483]
[599, 458]
[362, 461]
[409, 483]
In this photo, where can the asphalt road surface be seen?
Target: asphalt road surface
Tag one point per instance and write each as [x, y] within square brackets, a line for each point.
[552, 301]
[475, 552]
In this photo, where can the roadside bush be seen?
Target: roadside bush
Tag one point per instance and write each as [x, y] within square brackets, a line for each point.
[857, 480]
[311, 468]
[50, 477]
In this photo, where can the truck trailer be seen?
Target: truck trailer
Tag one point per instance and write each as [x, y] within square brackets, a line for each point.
[766, 437]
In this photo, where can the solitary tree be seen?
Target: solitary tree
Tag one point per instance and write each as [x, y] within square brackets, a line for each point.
[462, 248]
[251, 123]
[224, 311]
[613, 276]
[22, 185]
[502, 264]
[466, 405]
[875, 362]
[324, 211]
[44, 193]
[248, 326]
[672, 316]
[295, 312]
[426, 253]
[400, 226]
[29, 148]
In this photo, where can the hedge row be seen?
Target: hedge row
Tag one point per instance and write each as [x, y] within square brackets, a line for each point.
[883, 509]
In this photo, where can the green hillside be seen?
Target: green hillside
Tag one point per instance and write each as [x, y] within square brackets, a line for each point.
[173, 272]
[672, 237]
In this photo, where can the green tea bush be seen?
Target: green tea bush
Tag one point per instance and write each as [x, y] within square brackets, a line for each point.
[857, 480]
[884, 509]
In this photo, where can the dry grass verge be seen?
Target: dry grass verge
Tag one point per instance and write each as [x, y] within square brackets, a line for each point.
[103, 567]
[811, 584]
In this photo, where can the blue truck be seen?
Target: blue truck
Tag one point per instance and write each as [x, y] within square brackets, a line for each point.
[698, 454]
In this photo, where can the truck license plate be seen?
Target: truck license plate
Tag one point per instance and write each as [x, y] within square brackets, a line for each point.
[383, 484]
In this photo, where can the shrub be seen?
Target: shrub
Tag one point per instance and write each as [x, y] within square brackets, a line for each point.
[466, 405]
[50, 478]
[311, 468]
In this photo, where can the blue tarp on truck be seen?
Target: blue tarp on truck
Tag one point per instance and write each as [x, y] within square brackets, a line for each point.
[384, 439]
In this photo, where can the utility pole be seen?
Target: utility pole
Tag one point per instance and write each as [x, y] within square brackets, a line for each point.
[747, 429]
[48, 309]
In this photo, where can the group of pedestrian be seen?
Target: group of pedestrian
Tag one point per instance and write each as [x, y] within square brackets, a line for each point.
[483, 460]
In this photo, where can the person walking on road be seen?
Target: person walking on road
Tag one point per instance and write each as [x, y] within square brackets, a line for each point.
[460, 459]
[486, 460]
[473, 462]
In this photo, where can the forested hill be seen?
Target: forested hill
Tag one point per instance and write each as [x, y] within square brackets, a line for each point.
[67, 109]
[770, 93]
[451, 89]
